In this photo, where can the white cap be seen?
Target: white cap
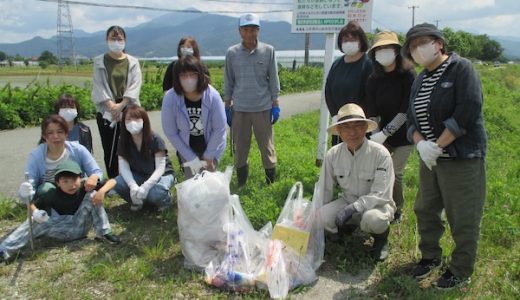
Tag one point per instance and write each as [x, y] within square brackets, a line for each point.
[249, 20]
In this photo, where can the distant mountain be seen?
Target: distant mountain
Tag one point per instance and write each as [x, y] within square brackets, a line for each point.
[511, 46]
[214, 33]
[160, 36]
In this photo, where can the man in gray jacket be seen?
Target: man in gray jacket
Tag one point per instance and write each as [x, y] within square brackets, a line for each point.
[251, 88]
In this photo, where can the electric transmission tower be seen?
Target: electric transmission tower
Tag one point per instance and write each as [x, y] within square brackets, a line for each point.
[66, 53]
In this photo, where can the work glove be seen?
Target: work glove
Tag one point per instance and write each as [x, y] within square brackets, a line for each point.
[26, 191]
[229, 113]
[40, 216]
[136, 201]
[275, 114]
[379, 137]
[345, 214]
[195, 165]
[143, 190]
[429, 152]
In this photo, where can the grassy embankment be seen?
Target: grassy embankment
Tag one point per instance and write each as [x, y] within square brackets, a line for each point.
[149, 262]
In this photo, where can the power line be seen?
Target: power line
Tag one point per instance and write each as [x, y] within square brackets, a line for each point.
[164, 9]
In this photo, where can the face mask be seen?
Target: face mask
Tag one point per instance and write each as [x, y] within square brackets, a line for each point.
[189, 84]
[385, 57]
[185, 51]
[425, 54]
[134, 127]
[69, 114]
[350, 48]
[116, 46]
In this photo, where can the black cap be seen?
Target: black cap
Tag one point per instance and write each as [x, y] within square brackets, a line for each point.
[424, 29]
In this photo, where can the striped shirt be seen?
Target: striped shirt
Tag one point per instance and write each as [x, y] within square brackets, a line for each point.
[422, 101]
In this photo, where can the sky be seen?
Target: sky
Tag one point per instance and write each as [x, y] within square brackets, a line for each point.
[21, 20]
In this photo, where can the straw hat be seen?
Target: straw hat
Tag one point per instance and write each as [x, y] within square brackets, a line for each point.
[384, 38]
[351, 112]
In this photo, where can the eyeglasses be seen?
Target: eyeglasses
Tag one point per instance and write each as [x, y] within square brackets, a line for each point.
[189, 75]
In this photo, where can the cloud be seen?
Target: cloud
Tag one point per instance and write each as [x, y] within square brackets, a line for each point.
[23, 19]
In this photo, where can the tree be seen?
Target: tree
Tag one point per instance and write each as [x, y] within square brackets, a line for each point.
[3, 56]
[48, 58]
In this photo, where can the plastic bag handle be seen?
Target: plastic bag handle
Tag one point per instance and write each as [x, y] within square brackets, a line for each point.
[296, 188]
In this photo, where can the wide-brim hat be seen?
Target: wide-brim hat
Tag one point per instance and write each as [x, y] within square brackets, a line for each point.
[384, 38]
[69, 166]
[249, 20]
[424, 29]
[351, 112]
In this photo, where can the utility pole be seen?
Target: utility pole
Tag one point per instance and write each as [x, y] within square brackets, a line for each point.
[65, 41]
[413, 7]
[307, 44]
[437, 23]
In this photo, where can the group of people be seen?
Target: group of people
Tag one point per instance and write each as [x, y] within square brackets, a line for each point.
[379, 110]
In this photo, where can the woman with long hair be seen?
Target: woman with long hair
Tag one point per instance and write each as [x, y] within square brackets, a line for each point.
[146, 173]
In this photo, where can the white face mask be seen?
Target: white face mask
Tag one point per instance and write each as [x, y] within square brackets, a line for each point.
[385, 57]
[69, 114]
[189, 84]
[350, 48]
[185, 51]
[425, 54]
[134, 126]
[116, 46]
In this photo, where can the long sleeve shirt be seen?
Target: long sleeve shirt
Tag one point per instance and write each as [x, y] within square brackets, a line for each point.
[251, 78]
[101, 89]
[366, 178]
[176, 123]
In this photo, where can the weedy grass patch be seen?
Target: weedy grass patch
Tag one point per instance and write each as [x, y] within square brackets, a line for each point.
[149, 262]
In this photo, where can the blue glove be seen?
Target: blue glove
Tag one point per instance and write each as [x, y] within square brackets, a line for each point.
[275, 114]
[229, 112]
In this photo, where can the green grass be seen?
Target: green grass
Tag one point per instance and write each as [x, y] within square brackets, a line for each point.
[149, 264]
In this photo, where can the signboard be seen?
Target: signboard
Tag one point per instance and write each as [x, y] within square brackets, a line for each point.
[329, 16]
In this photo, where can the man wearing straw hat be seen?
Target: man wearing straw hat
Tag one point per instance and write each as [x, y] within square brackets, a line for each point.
[364, 172]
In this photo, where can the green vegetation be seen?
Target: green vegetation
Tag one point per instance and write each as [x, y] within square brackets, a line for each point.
[479, 47]
[20, 107]
[149, 262]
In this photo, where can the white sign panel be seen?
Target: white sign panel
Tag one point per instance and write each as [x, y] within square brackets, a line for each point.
[329, 16]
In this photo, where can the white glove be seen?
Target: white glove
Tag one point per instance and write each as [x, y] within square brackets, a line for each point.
[143, 190]
[379, 137]
[134, 188]
[26, 191]
[429, 152]
[40, 216]
[195, 165]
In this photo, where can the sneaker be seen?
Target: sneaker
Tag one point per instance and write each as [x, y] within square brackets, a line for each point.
[425, 267]
[110, 238]
[449, 281]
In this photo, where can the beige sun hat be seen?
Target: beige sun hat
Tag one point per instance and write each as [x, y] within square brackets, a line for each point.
[351, 112]
[384, 38]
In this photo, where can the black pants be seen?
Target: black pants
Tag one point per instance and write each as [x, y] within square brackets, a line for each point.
[109, 141]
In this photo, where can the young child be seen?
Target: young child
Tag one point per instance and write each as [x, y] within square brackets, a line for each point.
[66, 212]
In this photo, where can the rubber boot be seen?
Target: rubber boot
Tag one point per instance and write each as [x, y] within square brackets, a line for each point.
[379, 251]
[270, 175]
[242, 174]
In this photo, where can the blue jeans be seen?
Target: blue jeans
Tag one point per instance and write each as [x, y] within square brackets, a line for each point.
[159, 195]
[61, 227]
